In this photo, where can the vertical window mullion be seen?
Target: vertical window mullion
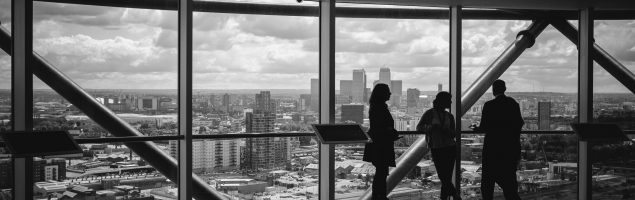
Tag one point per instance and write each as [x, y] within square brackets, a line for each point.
[22, 90]
[327, 96]
[455, 82]
[585, 98]
[185, 98]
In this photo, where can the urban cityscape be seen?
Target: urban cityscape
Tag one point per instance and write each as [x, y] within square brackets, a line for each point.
[287, 167]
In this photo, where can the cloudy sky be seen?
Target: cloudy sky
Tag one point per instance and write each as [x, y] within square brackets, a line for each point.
[118, 48]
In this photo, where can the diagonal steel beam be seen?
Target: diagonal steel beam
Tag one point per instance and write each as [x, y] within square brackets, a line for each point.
[501, 64]
[107, 119]
[610, 64]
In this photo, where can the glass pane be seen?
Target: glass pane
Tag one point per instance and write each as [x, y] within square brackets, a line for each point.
[408, 55]
[256, 74]
[543, 80]
[612, 101]
[613, 162]
[118, 55]
[108, 170]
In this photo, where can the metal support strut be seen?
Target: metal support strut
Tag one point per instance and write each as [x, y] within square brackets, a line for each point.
[610, 64]
[72, 92]
[524, 40]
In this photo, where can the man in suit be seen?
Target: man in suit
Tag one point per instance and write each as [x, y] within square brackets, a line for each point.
[502, 122]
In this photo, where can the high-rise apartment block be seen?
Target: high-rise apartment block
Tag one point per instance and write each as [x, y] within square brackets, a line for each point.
[264, 153]
[212, 155]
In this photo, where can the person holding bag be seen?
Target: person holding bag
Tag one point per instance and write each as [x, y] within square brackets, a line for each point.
[439, 126]
[381, 151]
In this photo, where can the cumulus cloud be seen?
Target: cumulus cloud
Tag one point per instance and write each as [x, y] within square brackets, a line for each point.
[86, 54]
[105, 47]
[294, 28]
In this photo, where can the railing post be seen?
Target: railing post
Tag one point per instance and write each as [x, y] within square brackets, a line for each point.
[455, 84]
[22, 91]
[185, 99]
[327, 96]
[585, 99]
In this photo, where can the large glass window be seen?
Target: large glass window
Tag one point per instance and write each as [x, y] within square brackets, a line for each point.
[613, 162]
[408, 55]
[120, 56]
[543, 80]
[256, 74]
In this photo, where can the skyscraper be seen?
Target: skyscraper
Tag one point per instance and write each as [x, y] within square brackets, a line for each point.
[384, 76]
[395, 89]
[346, 88]
[544, 115]
[439, 87]
[226, 100]
[359, 86]
[353, 112]
[315, 94]
[412, 97]
[264, 153]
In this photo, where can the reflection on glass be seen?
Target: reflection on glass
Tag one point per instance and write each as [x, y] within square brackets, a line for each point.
[109, 170]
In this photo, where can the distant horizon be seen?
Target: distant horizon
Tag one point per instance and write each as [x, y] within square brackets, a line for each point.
[304, 90]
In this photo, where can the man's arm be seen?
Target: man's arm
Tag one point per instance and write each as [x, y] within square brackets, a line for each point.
[484, 123]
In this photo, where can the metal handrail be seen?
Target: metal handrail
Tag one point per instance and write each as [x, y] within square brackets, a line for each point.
[292, 134]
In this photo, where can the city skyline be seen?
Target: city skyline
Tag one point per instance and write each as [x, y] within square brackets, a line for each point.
[98, 49]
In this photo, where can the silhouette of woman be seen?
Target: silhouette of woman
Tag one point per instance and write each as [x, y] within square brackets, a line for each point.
[381, 151]
[438, 124]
